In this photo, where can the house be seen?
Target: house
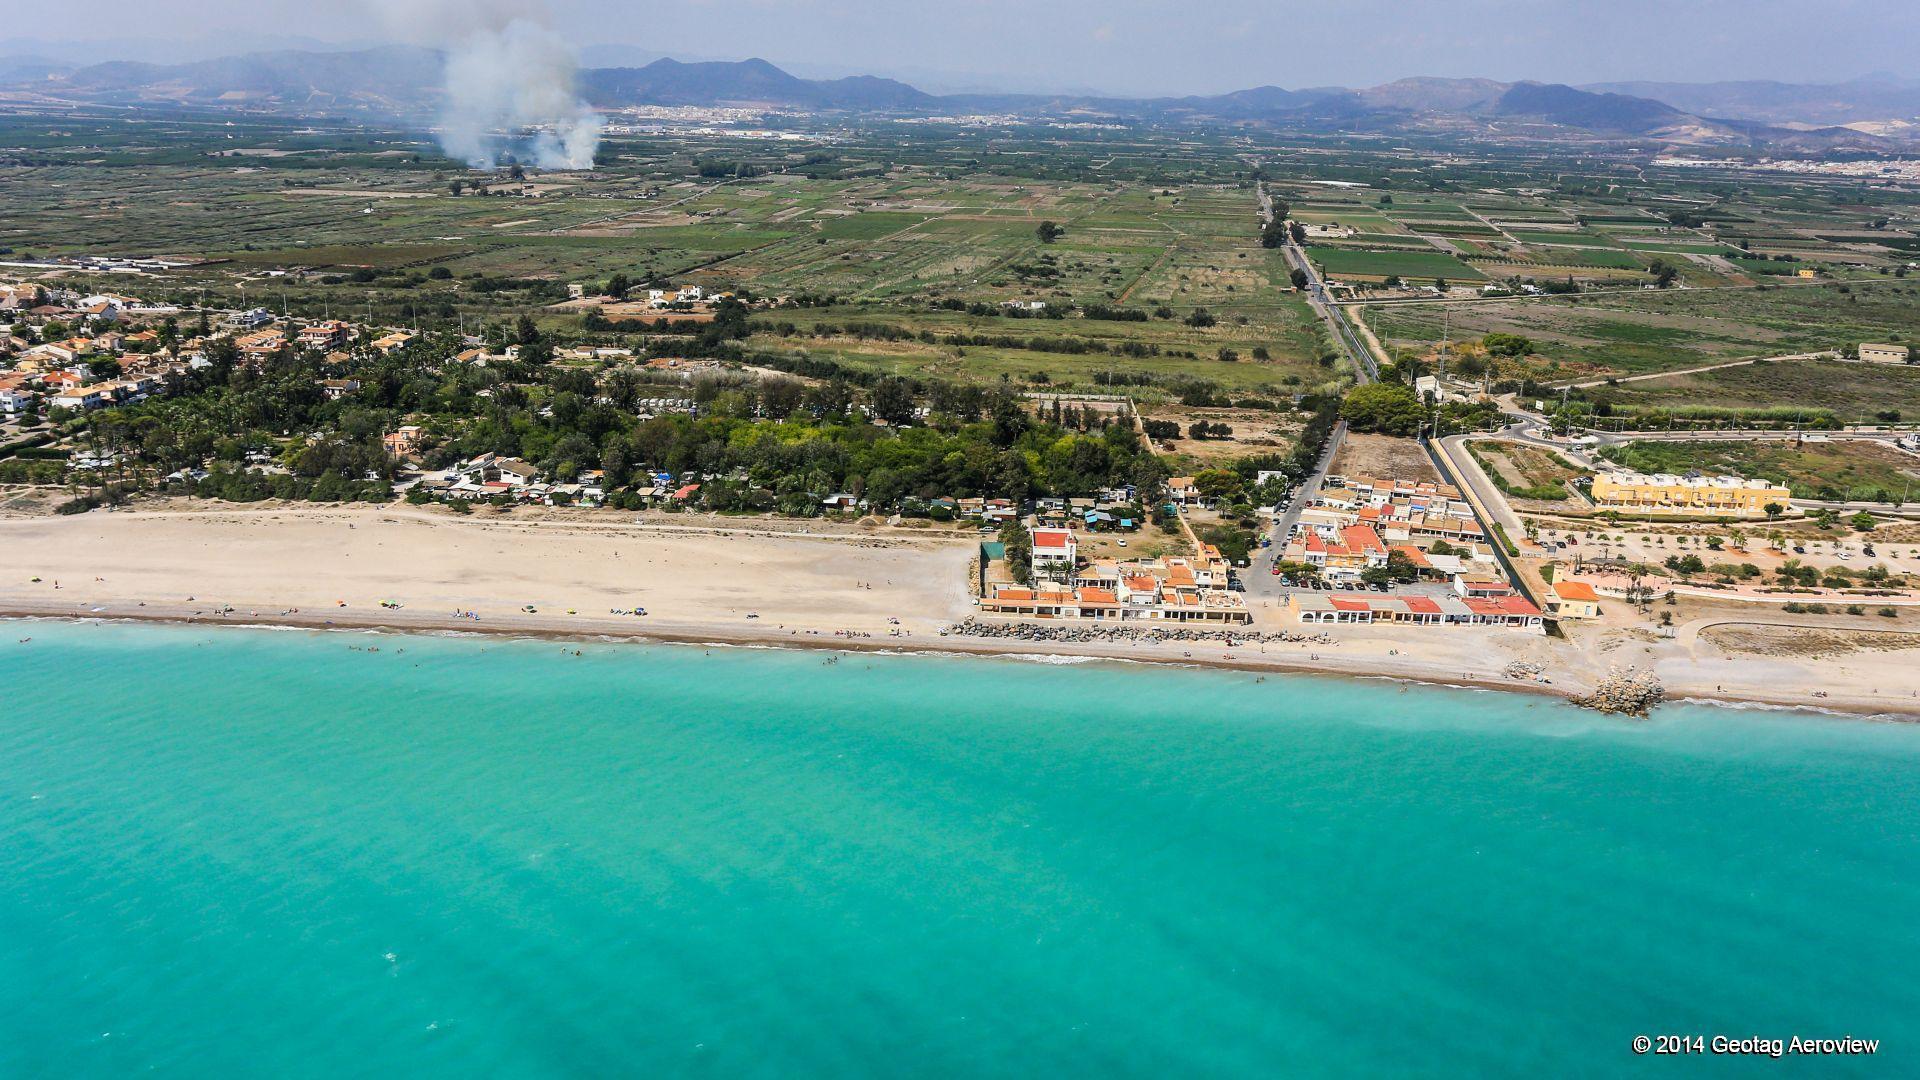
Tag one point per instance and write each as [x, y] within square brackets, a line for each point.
[20, 297]
[82, 398]
[1514, 612]
[247, 320]
[689, 294]
[260, 343]
[1883, 354]
[402, 442]
[1054, 551]
[392, 343]
[1573, 600]
[1356, 549]
[335, 389]
[1181, 490]
[1471, 587]
[515, 472]
[841, 502]
[332, 334]
[66, 352]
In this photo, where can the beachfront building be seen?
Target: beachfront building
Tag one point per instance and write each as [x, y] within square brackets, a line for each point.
[1356, 550]
[1508, 612]
[1573, 600]
[1054, 552]
[1665, 493]
[1166, 590]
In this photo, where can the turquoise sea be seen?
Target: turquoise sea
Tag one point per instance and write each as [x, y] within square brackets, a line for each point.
[253, 853]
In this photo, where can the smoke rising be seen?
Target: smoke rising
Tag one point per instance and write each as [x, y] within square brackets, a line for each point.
[509, 82]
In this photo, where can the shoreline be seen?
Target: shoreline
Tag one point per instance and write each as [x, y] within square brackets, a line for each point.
[993, 649]
[569, 576]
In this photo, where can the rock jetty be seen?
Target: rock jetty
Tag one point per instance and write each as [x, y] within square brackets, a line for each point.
[1628, 691]
[1064, 632]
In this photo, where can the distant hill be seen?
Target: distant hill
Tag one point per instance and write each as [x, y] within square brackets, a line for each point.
[398, 77]
[1567, 107]
[1859, 100]
[28, 69]
[670, 82]
[1435, 95]
[405, 81]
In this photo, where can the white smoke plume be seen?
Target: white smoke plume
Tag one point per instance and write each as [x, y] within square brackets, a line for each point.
[509, 82]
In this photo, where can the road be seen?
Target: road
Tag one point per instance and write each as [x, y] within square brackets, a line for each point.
[1696, 370]
[1364, 368]
[1489, 506]
[1259, 580]
[1473, 481]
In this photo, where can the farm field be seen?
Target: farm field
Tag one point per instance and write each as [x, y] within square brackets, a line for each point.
[1851, 391]
[1646, 331]
[886, 249]
[1360, 262]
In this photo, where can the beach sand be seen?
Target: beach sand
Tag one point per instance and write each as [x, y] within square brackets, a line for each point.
[766, 581]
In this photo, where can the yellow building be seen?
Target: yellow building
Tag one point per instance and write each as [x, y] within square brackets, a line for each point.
[1665, 493]
[1573, 600]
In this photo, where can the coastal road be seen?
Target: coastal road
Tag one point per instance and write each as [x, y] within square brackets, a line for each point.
[1260, 581]
[1486, 497]
[1364, 368]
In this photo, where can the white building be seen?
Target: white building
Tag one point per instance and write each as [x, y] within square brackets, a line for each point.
[1054, 551]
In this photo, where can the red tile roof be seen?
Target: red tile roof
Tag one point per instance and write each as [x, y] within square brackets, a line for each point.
[1575, 590]
[1052, 538]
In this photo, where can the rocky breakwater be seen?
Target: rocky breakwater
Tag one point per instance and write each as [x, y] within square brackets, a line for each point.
[1628, 691]
[1080, 633]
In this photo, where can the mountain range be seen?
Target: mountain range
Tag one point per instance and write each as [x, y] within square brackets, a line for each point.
[1873, 113]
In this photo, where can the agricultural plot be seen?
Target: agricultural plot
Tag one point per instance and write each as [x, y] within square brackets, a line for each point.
[1570, 237]
[1647, 331]
[1851, 391]
[1680, 247]
[1365, 263]
[1593, 258]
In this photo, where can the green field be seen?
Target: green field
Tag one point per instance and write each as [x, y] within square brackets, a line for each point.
[1361, 262]
[1578, 239]
[1646, 331]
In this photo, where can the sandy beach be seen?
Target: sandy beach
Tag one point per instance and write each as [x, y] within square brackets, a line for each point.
[777, 582]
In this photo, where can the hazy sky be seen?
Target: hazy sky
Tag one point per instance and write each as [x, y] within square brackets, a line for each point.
[1133, 46]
